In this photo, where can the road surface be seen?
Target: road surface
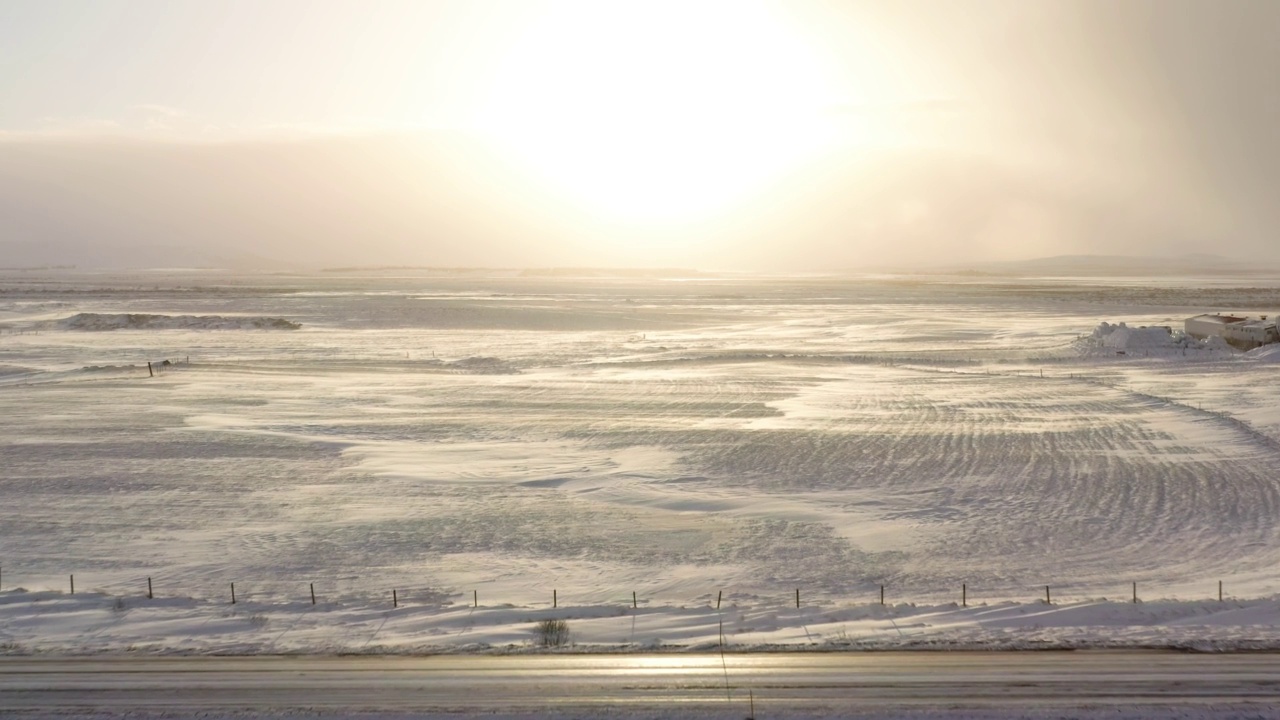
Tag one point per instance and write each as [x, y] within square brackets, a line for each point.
[675, 684]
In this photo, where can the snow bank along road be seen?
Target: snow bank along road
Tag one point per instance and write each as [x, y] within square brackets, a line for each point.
[678, 685]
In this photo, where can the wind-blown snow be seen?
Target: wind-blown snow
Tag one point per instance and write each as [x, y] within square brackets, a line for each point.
[673, 439]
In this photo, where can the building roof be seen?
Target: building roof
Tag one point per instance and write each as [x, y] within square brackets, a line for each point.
[1224, 319]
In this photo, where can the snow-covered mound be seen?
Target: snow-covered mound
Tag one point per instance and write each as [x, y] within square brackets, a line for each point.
[138, 321]
[1123, 337]
[1266, 353]
[481, 366]
[108, 368]
[1147, 341]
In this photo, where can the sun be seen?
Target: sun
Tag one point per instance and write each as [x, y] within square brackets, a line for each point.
[659, 111]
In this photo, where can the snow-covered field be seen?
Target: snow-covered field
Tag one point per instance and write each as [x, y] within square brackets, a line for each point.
[500, 440]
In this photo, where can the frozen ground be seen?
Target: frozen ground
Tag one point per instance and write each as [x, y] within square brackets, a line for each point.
[501, 439]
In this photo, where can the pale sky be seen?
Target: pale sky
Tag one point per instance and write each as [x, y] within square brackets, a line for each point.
[720, 135]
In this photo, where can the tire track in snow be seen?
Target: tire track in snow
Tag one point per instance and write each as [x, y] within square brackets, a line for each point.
[1100, 477]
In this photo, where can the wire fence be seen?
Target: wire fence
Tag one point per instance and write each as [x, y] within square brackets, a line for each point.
[333, 593]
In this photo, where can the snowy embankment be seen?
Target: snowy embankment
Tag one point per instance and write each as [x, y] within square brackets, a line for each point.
[51, 622]
[1266, 353]
[140, 321]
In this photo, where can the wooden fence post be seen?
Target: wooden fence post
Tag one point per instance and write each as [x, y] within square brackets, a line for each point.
[149, 594]
[313, 593]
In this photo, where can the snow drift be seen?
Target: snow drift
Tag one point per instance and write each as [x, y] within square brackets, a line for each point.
[38, 622]
[1266, 353]
[138, 321]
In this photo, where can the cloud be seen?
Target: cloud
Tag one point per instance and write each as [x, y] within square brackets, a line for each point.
[310, 202]
[162, 110]
[161, 124]
[451, 199]
[904, 107]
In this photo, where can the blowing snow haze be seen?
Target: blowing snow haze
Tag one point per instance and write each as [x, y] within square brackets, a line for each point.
[720, 135]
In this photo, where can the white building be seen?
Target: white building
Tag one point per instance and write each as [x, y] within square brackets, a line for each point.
[1241, 332]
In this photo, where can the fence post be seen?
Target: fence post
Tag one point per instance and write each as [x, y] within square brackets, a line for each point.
[313, 593]
[475, 598]
[797, 598]
[719, 595]
[1219, 591]
[964, 595]
[233, 593]
[1047, 599]
[395, 601]
[634, 603]
[149, 594]
[1135, 593]
[881, 594]
[555, 599]
[73, 584]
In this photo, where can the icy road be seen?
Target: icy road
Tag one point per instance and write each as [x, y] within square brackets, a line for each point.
[674, 684]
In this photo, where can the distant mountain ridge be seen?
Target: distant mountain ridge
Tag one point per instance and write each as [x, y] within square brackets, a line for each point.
[1087, 265]
[17, 255]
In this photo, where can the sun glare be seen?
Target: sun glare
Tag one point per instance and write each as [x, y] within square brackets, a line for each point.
[660, 111]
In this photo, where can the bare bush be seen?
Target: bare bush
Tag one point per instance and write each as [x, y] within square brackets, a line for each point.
[552, 633]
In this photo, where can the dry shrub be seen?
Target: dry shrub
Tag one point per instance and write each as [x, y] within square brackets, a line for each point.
[552, 633]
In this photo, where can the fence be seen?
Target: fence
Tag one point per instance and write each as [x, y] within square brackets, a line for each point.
[397, 596]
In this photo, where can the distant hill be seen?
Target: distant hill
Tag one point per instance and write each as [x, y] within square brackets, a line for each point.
[91, 256]
[617, 272]
[1120, 265]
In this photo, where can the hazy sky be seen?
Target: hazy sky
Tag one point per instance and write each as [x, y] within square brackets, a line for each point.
[738, 135]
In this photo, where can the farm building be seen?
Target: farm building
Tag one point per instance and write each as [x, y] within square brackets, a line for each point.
[1241, 332]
